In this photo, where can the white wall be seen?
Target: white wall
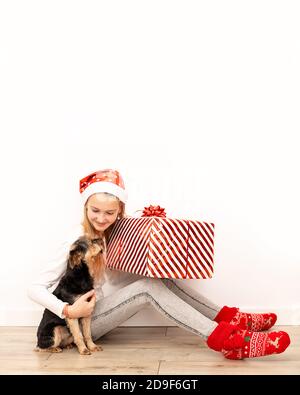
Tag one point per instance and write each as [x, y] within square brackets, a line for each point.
[196, 103]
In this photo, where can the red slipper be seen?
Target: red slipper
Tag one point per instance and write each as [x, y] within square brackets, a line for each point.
[220, 334]
[254, 322]
[257, 344]
[237, 343]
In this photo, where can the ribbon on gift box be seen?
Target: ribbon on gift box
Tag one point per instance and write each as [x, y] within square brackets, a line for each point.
[153, 211]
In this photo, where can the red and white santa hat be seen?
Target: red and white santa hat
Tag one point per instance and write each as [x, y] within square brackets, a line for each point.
[107, 180]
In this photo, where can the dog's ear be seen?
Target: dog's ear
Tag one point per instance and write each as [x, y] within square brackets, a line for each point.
[76, 254]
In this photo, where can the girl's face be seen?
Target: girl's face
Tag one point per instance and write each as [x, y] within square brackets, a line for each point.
[102, 210]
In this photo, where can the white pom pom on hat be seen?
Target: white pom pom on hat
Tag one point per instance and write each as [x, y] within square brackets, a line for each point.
[107, 180]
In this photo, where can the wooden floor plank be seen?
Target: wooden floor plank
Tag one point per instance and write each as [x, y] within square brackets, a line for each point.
[246, 367]
[139, 350]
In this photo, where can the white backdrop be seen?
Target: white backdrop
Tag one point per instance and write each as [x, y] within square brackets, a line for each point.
[196, 103]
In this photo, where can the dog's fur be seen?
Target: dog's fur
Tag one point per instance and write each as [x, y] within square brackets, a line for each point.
[84, 265]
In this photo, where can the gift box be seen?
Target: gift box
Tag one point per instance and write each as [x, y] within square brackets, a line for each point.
[153, 245]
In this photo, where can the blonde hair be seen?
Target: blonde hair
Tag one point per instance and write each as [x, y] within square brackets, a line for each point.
[90, 232]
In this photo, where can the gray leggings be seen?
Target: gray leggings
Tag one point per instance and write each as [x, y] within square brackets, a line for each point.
[186, 308]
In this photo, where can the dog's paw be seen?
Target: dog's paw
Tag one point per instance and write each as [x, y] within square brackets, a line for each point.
[94, 347]
[49, 349]
[55, 349]
[69, 346]
[84, 351]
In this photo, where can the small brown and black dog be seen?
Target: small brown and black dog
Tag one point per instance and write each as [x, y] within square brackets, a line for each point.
[84, 266]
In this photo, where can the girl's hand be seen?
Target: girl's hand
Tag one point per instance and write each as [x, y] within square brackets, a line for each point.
[84, 306]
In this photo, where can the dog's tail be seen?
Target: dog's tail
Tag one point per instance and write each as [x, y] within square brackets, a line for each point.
[45, 341]
[38, 349]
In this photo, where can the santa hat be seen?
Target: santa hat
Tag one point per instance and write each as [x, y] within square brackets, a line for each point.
[107, 180]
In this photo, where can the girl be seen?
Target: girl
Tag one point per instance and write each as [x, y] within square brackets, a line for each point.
[236, 334]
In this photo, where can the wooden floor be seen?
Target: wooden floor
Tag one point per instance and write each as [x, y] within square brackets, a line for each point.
[140, 350]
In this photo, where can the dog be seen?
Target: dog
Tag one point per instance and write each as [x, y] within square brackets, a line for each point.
[84, 266]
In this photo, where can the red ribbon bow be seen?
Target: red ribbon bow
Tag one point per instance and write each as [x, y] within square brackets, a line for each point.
[153, 211]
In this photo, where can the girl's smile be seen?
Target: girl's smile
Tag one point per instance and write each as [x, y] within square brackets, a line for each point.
[102, 210]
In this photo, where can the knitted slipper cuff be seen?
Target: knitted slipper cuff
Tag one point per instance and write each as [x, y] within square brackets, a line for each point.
[216, 339]
[226, 314]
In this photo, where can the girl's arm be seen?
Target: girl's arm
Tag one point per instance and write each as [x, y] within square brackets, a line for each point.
[39, 292]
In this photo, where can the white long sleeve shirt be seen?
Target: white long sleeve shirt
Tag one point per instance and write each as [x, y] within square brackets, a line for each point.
[39, 292]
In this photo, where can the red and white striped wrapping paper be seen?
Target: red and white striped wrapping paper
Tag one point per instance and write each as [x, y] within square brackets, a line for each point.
[162, 247]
